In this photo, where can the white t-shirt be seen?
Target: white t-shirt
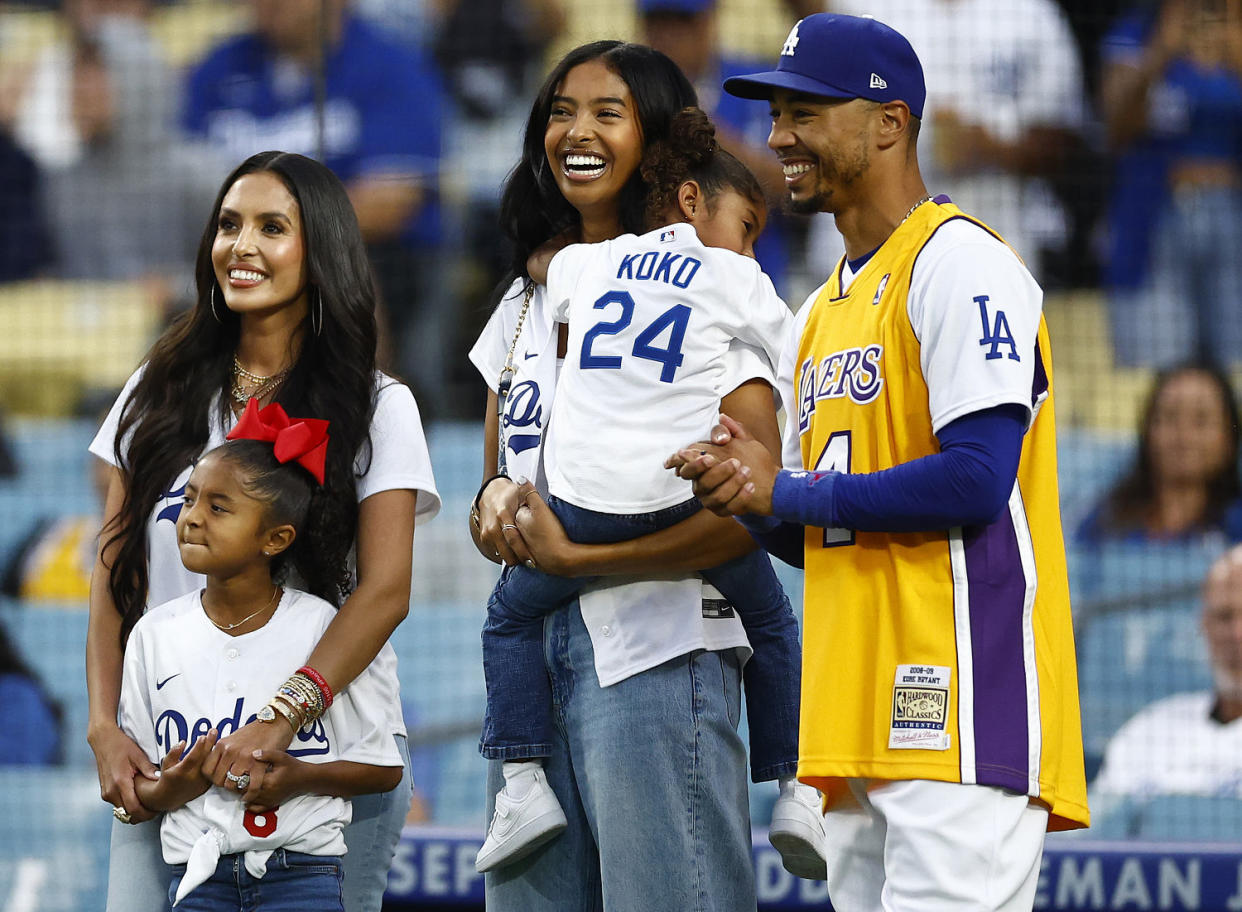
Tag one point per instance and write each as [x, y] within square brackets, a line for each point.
[635, 623]
[1174, 747]
[183, 676]
[960, 262]
[398, 461]
[1008, 66]
[650, 320]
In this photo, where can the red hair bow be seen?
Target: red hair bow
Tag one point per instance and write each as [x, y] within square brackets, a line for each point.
[300, 440]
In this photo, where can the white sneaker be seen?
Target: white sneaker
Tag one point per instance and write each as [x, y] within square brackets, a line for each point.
[521, 825]
[797, 831]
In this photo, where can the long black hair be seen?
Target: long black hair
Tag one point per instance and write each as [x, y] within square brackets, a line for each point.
[1131, 500]
[187, 376]
[532, 209]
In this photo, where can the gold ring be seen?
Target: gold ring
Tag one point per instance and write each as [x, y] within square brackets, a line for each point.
[530, 562]
[122, 815]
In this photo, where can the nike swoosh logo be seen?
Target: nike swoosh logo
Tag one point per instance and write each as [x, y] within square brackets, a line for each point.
[159, 685]
[529, 355]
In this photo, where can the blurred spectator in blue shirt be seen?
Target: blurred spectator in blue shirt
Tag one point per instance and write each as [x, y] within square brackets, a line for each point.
[96, 110]
[29, 718]
[379, 131]
[23, 230]
[1172, 102]
[685, 30]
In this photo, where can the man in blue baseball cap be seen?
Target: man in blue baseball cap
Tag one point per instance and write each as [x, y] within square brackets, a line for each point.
[939, 700]
[834, 60]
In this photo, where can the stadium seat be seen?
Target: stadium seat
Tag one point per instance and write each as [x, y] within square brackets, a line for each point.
[1129, 658]
[53, 840]
[1190, 818]
[62, 339]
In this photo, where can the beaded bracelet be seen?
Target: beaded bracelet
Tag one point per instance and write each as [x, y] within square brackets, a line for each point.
[303, 696]
[295, 701]
[319, 682]
[303, 690]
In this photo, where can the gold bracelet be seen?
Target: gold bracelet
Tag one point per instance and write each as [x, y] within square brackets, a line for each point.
[285, 710]
[303, 689]
[298, 716]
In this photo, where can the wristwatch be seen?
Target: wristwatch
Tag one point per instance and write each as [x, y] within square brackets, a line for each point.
[266, 714]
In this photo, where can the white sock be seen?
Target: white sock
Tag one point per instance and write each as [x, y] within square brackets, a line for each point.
[787, 784]
[519, 775]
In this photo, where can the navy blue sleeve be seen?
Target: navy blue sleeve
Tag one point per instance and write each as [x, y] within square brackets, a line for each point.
[784, 540]
[967, 483]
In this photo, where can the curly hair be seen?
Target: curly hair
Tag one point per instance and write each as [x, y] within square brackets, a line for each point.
[165, 424]
[690, 152]
[319, 554]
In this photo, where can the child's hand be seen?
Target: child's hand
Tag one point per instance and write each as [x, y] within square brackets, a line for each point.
[181, 778]
[538, 262]
[274, 777]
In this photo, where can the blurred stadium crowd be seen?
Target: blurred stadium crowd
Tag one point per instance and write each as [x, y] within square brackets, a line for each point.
[1102, 138]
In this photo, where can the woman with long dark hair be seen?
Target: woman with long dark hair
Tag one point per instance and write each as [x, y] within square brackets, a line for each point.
[645, 758]
[285, 313]
[1184, 480]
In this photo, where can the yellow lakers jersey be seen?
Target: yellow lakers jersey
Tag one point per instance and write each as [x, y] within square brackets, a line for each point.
[940, 655]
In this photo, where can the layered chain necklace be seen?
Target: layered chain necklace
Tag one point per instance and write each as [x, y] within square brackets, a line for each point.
[912, 208]
[227, 627]
[253, 386]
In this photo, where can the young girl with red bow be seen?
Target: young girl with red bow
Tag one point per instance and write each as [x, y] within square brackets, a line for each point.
[285, 313]
[207, 662]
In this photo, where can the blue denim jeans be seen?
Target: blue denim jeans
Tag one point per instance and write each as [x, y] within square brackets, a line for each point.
[519, 724]
[1190, 305]
[294, 882]
[372, 836]
[651, 774]
[137, 872]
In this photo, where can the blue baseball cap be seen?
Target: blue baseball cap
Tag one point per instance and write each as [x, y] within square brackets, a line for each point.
[685, 7]
[838, 56]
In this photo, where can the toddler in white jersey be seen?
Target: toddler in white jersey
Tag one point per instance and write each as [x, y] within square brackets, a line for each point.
[204, 664]
[650, 320]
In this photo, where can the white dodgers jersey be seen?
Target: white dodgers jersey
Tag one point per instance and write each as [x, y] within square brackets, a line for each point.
[651, 318]
[182, 677]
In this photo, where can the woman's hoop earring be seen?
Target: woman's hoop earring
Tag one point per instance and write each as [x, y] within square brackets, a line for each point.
[317, 312]
[213, 305]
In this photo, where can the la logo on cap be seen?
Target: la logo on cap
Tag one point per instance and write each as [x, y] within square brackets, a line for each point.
[792, 41]
[877, 82]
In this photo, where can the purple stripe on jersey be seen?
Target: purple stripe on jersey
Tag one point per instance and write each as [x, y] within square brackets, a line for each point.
[997, 587]
[1039, 382]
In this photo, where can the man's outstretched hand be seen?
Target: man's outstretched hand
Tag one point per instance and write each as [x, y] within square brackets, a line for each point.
[732, 474]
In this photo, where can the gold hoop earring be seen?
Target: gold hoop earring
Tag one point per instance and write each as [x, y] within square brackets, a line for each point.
[317, 311]
[213, 305]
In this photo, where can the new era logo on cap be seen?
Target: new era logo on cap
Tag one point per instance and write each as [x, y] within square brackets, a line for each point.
[836, 56]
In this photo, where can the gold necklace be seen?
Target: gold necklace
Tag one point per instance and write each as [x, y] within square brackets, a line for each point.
[227, 627]
[910, 213]
[260, 386]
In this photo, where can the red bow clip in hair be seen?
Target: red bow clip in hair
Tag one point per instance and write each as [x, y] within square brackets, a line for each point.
[300, 440]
